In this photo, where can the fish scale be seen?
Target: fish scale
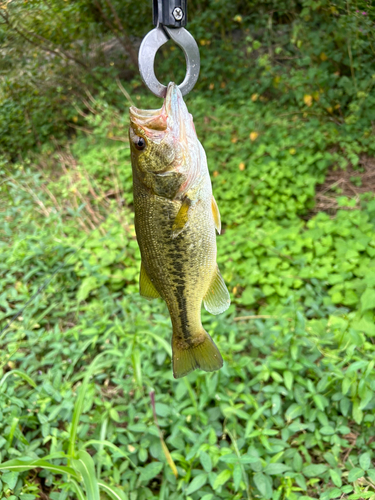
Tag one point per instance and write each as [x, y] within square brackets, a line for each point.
[184, 262]
[175, 219]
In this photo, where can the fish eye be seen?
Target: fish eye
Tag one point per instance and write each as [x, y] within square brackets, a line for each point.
[140, 143]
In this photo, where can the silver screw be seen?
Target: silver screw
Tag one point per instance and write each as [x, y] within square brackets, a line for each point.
[178, 13]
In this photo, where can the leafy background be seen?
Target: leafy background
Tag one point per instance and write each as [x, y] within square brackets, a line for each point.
[285, 109]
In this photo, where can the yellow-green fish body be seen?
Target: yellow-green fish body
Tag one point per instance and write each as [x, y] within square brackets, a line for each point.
[175, 220]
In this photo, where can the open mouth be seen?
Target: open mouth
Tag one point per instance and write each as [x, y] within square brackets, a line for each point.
[149, 119]
[144, 113]
[157, 119]
[172, 116]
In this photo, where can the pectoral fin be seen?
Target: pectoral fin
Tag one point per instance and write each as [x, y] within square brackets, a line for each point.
[182, 218]
[216, 214]
[217, 298]
[146, 288]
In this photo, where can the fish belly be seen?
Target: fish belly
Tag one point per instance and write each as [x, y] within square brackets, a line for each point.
[180, 268]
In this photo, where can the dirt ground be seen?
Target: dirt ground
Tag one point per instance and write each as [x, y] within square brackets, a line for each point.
[350, 182]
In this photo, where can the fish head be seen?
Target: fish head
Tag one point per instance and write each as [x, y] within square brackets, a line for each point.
[164, 144]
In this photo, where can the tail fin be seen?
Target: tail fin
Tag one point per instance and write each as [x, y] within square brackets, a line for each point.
[200, 353]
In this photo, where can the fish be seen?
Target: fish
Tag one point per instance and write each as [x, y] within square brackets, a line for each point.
[176, 216]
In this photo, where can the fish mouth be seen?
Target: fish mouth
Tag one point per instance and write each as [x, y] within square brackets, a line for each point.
[144, 113]
[173, 116]
[149, 120]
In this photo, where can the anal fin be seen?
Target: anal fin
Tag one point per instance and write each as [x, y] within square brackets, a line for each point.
[146, 287]
[217, 299]
[182, 218]
[216, 214]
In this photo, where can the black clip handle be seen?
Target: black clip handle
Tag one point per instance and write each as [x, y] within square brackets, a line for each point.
[171, 13]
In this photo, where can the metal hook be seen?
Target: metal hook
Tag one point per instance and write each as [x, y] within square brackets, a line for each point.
[152, 43]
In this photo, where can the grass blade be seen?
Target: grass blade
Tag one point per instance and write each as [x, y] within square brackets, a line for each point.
[166, 452]
[104, 442]
[103, 433]
[20, 465]
[244, 475]
[113, 492]
[20, 374]
[84, 465]
[80, 400]
[191, 394]
[161, 341]
[78, 490]
[136, 362]
[12, 430]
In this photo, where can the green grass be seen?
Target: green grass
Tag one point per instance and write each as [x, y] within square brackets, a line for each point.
[290, 415]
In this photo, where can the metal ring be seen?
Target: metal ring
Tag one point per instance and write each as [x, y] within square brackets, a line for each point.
[147, 52]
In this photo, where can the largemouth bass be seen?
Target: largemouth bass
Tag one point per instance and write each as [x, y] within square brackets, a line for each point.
[175, 220]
